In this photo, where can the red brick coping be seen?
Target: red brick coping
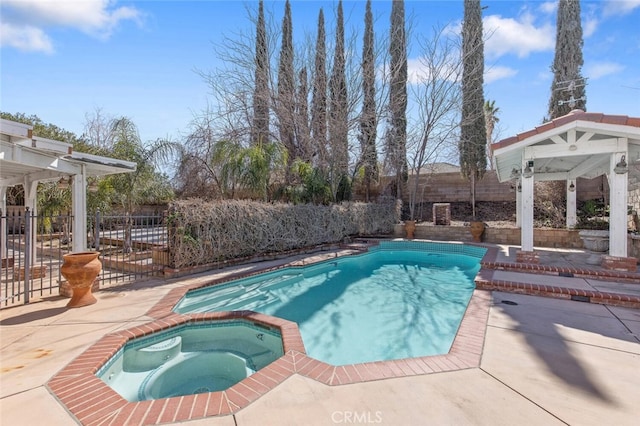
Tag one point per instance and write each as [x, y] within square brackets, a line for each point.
[485, 281]
[91, 401]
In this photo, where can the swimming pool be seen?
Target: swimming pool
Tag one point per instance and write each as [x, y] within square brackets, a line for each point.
[399, 300]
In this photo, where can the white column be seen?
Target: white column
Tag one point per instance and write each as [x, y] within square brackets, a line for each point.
[618, 207]
[79, 209]
[572, 219]
[518, 203]
[3, 222]
[31, 201]
[526, 229]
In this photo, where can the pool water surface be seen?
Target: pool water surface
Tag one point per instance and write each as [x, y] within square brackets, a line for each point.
[393, 302]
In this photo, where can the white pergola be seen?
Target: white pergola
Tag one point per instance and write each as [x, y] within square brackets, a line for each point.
[26, 160]
[579, 144]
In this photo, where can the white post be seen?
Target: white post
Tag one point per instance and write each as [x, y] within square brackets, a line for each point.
[519, 202]
[3, 222]
[572, 219]
[618, 205]
[526, 230]
[79, 209]
[31, 201]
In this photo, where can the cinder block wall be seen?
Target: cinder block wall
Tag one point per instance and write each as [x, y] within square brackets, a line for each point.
[565, 238]
[451, 188]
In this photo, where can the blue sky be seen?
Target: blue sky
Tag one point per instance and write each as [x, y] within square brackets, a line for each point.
[62, 60]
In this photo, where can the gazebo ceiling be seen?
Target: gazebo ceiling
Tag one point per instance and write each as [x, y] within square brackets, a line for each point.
[576, 145]
[24, 156]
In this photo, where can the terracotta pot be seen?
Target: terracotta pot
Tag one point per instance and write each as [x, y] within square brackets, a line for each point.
[410, 228]
[80, 270]
[477, 229]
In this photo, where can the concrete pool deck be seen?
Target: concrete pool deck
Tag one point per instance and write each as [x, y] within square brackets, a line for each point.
[544, 361]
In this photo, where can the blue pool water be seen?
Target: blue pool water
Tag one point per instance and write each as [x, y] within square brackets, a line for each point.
[189, 359]
[399, 300]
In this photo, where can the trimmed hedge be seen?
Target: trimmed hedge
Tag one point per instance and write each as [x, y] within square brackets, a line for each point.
[203, 232]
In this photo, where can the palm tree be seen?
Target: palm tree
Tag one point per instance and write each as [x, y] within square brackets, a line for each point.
[491, 118]
[261, 160]
[145, 182]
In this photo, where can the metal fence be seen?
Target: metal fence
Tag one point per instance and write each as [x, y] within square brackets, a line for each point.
[131, 248]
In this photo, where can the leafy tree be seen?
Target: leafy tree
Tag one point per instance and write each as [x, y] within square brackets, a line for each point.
[145, 183]
[491, 118]
[303, 132]
[260, 162]
[260, 128]
[45, 130]
[397, 133]
[568, 87]
[313, 185]
[473, 131]
[368, 117]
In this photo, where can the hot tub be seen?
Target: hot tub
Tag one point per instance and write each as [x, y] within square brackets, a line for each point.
[192, 358]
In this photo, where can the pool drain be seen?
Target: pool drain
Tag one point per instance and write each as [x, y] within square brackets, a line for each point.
[202, 389]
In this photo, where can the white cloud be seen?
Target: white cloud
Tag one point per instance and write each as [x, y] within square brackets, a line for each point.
[589, 27]
[497, 73]
[517, 36]
[549, 7]
[26, 38]
[620, 7]
[601, 69]
[98, 18]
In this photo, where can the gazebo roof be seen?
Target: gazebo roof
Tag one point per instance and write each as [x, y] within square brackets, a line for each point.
[23, 155]
[578, 144]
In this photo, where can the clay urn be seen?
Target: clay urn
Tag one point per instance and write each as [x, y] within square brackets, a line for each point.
[80, 269]
[477, 229]
[410, 228]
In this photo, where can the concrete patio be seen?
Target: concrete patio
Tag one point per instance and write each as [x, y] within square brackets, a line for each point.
[545, 361]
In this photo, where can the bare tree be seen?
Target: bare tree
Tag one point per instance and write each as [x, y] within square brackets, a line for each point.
[436, 89]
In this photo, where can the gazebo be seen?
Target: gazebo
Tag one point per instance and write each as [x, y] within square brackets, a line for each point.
[26, 160]
[579, 144]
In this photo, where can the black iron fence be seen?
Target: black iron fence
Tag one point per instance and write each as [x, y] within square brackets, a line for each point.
[131, 247]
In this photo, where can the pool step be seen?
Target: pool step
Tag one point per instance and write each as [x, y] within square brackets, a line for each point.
[249, 302]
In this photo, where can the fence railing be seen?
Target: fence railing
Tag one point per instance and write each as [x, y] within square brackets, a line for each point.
[32, 247]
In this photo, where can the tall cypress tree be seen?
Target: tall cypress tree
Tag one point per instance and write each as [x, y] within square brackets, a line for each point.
[319, 100]
[338, 102]
[397, 140]
[473, 131]
[286, 86]
[368, 119]
[260, 128]
[568, 87]
[302, 117]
